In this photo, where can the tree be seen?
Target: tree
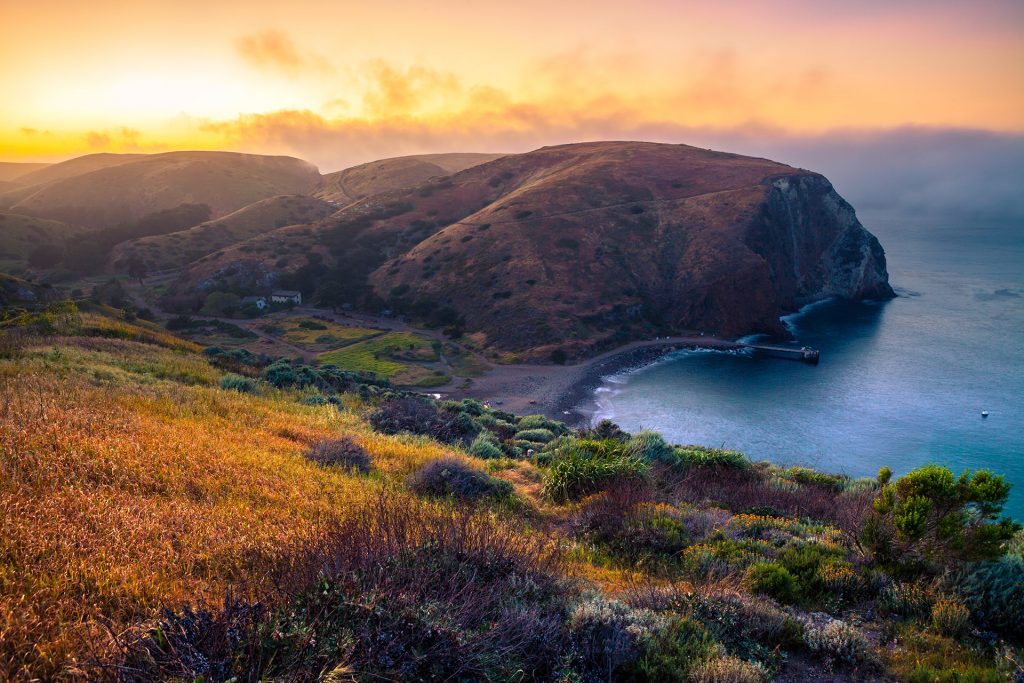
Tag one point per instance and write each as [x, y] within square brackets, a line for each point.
[933, 516]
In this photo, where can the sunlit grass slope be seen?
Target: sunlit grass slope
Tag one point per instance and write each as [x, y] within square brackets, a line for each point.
[129, 481]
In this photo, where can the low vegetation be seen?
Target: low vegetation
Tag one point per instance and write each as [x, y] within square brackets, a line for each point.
[172, 514]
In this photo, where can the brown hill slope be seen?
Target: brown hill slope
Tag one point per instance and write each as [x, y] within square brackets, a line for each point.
[180, 248]
[351, 184]
[77, 166]
[585, 246]
[126, 191]
[21, 235]
[13, 170]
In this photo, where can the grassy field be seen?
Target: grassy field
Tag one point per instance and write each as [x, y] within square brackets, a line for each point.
[320, 335]
[131, 481]
[396, 356]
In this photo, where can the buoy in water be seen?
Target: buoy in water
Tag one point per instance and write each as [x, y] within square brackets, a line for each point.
[984, 413]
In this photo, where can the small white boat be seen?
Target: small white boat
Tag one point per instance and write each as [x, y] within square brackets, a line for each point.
[984, 413]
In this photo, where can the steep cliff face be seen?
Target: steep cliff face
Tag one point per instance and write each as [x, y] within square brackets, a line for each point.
[814, 245]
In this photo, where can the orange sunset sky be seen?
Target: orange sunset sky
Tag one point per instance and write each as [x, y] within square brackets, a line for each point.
[344, 82]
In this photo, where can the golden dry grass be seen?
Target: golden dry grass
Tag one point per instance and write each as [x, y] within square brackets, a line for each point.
[127, 484]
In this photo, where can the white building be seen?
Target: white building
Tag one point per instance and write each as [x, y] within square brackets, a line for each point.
[259, 302]
[286, 296]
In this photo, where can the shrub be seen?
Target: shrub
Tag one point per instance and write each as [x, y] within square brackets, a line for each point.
[584, 467]
[728, 670]
[610, 635]
[341, 453]
[904, 599]
[807, 476]
[312, 325]
[765, 578]
[701, 456]
[413, 592]
[994, 591]
[540, 422]
[485, 446]
[233, 382]
[672, 650]
[423, 417]
[650, 446]
[452, 477]
[950, 617]
[837, 640]
[933, 516]
[535, 435]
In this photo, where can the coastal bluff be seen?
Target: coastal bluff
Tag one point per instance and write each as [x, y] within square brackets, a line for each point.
[570, 250]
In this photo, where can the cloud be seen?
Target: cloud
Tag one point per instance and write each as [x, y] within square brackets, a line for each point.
[121, 139]
[275, 50]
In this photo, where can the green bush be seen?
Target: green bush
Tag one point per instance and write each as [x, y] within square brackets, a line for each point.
[807, 476]
[584, 467]
[701, 456]
[950, 617]
[234, 382]
[650, 446]
[541, 422]
[994, 591]
[670, 651]
[904, 599]
[766, 578]
[485, 446]
[806, 564]
[932, 516]
[535, 435]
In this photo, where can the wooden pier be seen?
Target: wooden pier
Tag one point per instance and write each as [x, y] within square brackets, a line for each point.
[804, 354]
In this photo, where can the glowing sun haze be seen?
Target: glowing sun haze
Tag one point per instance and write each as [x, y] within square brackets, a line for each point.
[344, 82]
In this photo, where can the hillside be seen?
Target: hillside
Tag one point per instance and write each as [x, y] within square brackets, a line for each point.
[14, 171]
[20, 236]
[581, 247]
[171, 515]
[75, 167]
[178, 249]
[125, 189]
[351, 184]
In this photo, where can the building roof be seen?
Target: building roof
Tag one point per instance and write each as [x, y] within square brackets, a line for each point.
[286, 292]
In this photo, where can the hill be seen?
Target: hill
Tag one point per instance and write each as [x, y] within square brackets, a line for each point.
[178, 249]
[76, 166]
[20, 236]
[579, 247]
[14, 171]
[351, 184]
[123, 189]
[162, 519]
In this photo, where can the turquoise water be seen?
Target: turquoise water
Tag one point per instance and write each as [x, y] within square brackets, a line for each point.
[901, 383]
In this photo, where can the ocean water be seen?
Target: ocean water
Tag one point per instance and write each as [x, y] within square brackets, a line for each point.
[900, 383]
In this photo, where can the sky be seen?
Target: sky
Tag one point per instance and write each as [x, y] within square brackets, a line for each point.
[340, 83]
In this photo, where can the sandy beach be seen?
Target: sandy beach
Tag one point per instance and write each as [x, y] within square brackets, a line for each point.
[558, 390]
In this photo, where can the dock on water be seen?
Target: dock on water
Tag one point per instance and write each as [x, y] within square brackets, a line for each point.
[804, 354]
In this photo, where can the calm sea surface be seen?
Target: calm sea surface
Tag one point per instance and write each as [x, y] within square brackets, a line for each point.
[900, 384]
